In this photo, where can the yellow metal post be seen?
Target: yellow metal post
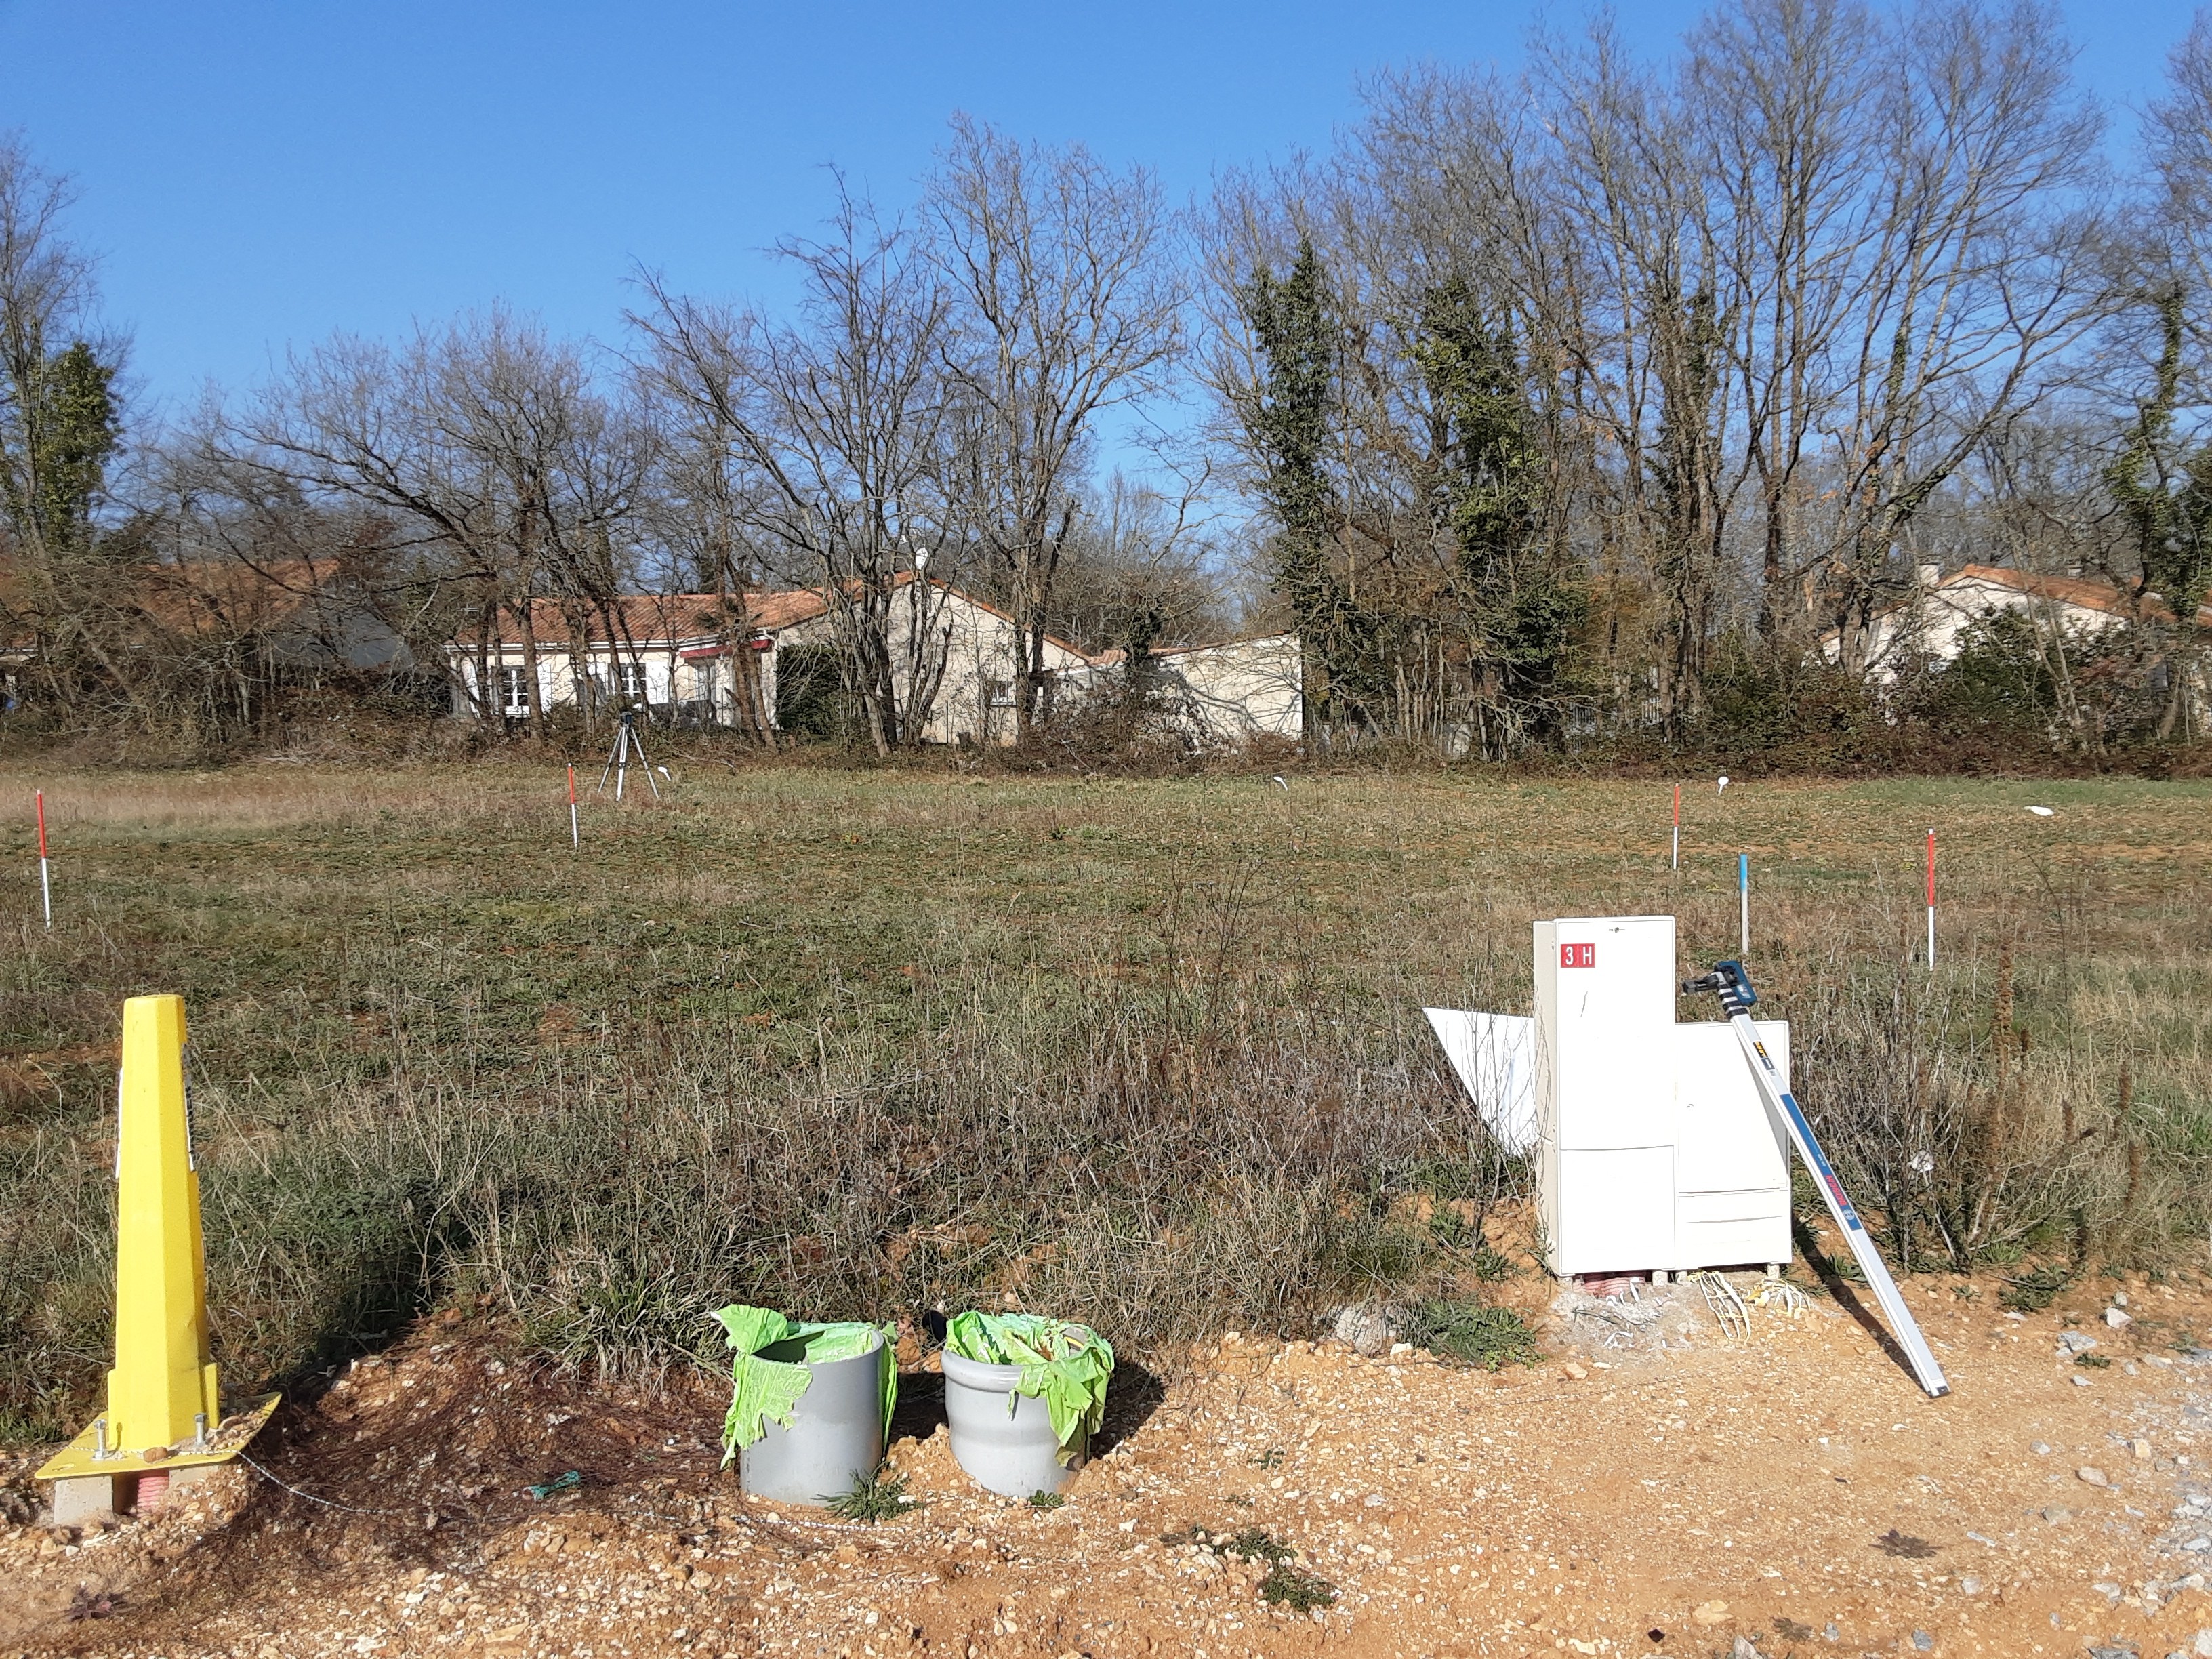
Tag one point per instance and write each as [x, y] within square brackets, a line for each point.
[162, 1390]
[164, 1407]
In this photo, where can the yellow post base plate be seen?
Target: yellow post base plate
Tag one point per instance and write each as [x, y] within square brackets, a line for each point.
[76, 1460]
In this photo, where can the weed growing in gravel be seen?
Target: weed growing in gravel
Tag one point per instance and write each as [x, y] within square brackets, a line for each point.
[1286, 1586]
[1247, 1543]
[1472, 1333]
[2035, 1290]
[2095, 1362]
[877, 1497]
[1042, 1500]
[1251, 1543]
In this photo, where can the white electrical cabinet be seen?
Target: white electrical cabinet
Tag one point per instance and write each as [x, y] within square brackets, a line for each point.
[1654, 1151]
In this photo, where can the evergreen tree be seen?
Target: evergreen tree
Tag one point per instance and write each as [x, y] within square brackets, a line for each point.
[66, 428]
[1523, 604]
[75, 431]
[1290, 425]
[2163, 490]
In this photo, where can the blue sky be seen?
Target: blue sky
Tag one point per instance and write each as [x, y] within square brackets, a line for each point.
[256, 175]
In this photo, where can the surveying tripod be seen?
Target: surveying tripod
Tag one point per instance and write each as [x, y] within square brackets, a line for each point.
[627, 743]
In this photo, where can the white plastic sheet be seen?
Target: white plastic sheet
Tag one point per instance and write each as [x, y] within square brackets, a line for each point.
[1494, 1057]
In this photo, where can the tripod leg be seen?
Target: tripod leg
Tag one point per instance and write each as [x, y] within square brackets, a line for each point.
[621, 763]
[647, 765]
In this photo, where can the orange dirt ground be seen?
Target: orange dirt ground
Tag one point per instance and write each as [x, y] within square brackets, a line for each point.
[1792, 1491]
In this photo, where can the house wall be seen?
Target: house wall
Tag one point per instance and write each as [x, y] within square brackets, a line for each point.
[1932, 630]
[668, 678]
[1225, 694]
[974, 699]
[1231, 693]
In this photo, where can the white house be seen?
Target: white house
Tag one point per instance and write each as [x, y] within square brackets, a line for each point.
[1930, 625]
[633, 655]
[685, 657]
[795, 635]
[678, 655]
[1229, 693]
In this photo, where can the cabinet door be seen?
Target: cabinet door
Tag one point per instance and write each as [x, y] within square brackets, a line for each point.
[1732, 1165]
[1604, 1019]
[1616, 1210]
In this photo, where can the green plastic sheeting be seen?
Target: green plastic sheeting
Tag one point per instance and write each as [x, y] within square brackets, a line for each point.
[775, 1355]
[1065, 1366]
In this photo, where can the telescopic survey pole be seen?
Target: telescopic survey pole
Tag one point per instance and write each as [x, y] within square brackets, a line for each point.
[1743, 902]
[1678, 826]
[1931, 900]
[1734, 986]
[575, 832]
[45, 883]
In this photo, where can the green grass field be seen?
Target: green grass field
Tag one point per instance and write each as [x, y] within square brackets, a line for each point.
[1146, 1052]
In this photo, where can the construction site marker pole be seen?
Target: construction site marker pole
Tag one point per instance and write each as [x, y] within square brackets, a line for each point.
[1737, 997]
[1931, 900]
[575, 832]
[1743, 899]
[164, 1412]
[45, 882]
[1678, 826]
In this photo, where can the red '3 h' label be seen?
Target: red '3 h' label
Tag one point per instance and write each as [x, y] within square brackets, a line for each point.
[1578, 955]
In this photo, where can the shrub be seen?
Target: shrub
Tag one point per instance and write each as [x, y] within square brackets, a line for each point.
[1472, 1333]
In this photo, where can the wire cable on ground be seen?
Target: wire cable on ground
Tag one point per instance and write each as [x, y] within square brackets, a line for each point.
[327, 1502]
[1726, 1304]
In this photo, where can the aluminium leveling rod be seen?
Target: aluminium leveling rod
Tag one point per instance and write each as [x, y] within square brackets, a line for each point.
[575, 832]
[1736, 996]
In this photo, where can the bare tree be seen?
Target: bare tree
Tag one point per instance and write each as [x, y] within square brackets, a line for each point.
[516, 480]
[1069, 304]
[1756, 312]
[1902, 254]
[2178, 143]
[837, 435]
[1137, 570]
[698, 519]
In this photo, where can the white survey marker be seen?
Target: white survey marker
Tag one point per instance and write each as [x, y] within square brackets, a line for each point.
[1660, 1147]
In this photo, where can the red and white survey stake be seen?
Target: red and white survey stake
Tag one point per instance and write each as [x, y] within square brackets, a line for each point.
[575, 835]
[45, 883]
[1678, 826]
[1931, 900]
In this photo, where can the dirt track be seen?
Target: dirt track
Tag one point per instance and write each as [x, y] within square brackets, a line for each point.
[1794, 1489]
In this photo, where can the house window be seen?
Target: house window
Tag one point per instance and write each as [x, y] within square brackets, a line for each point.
[1002, 694]
[514, 695]
[630, 681]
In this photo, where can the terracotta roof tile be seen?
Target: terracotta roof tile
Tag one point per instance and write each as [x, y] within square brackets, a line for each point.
[2088, 592]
